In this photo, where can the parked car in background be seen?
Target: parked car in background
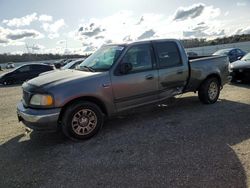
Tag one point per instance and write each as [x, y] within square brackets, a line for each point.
[10, 66]
[117, 78]
[73, 64]
[59, 64]
[23, 73]
[192, 54]
[240, 70]
[233, 54]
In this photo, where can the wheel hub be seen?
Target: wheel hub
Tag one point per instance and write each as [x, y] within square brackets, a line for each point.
[84, 121]
[213, 90]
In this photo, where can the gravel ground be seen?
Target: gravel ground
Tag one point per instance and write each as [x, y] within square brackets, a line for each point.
[183, 144]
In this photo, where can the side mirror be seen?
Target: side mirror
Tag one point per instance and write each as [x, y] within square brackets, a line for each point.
[239, 58]
[125, 68]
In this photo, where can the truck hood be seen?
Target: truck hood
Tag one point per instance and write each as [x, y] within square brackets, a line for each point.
[53, 78]
[240, 64]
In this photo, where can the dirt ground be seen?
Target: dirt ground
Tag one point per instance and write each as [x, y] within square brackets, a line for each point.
[183, 144]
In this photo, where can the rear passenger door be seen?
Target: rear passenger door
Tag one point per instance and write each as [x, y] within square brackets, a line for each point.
[173, 72]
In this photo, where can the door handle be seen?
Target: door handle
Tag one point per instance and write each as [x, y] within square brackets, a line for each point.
[149, 77]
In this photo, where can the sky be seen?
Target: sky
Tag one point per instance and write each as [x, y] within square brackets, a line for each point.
[79, 26]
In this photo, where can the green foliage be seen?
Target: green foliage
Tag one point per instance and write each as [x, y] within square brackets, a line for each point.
[4, 58]
[188, 43]
[191, 43]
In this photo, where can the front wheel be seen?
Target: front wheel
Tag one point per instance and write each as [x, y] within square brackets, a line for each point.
[209, 91]
[82, 120]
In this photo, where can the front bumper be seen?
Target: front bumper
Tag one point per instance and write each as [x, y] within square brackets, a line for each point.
[38, 119]
[240, 74]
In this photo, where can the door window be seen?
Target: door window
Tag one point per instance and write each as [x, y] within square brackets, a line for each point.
[24, 69]
[140, 58]
[168, 54]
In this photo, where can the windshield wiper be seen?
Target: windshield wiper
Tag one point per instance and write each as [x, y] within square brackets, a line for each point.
[89, 68]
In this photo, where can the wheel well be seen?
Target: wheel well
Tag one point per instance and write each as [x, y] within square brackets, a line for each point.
[214, 76]
[211, 76]
[98, 102]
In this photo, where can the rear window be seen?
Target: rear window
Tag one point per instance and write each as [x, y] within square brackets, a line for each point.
[168, 54]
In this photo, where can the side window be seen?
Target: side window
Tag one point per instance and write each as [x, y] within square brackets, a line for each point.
[233, 52]
[168, 54]
[140, 58]
[35, 67]
[44, 68]
[239, 51]
[24, 69]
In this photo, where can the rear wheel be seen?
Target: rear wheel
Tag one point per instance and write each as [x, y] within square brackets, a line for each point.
[82, 120]
[209, 91]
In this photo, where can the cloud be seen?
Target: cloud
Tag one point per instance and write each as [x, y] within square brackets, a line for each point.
[53, 28]
[3, 41]
[109, 41]
[242, 31]
[226, 13]
[193, 11]
[90, 49]
[36, 47]
[21, 34]
[241, 4]
[141, 20]
[23, 21]
[127, 39]
[147, 34]
[201, 27]
[99, 37]
[16, 36]
[125, 26]
[61, 42]
[202, 34]
[45, 18]
[90, 31]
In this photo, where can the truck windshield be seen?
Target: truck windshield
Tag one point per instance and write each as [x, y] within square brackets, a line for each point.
[102, 59]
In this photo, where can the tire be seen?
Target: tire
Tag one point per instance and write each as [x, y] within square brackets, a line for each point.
[82, 120]
[209, 91]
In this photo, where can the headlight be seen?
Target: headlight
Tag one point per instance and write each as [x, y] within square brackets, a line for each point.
[41, 100]
[230, 68]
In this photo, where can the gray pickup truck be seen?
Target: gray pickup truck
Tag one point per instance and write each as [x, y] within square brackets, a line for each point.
[117, 78]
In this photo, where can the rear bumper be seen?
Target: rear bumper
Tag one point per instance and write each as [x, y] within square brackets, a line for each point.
[38, 119]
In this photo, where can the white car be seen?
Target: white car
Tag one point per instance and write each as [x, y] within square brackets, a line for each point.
[10, 66]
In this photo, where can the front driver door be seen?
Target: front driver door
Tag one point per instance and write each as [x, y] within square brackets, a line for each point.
[22, 74]
[140, 85]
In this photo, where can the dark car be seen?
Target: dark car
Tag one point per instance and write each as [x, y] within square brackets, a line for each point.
[61, 63]
[73, 64]
[240, 70]
[192, 54]
[233, 54]
[23, 73]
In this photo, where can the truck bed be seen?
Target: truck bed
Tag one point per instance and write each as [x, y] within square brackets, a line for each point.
[202, 66]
